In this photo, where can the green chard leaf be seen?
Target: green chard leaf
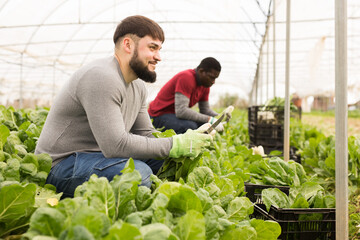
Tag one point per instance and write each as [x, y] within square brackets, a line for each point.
[122, 230]
[239, 209]
[266, 230]
[46, 222]
[191, 226]
[77, 232]
[96, 222]
[182, 198]
[275, 197]
[4, 134]
[99, 194]
[157, 231]
[244, 232]
[16, 201]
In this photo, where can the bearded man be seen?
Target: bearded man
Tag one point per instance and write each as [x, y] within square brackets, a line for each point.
[99, 118]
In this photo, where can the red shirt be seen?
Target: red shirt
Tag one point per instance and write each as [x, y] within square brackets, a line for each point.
[184, 82]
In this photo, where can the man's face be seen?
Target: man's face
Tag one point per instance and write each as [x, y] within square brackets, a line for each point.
[207, 78]
[145, 57]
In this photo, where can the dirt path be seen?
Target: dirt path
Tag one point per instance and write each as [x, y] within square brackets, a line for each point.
[327, 124]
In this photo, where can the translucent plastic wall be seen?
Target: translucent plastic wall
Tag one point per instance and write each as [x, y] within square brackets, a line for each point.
[44, 42]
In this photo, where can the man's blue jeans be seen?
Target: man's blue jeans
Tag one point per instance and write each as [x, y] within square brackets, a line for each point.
[170, 121]
[78, 167]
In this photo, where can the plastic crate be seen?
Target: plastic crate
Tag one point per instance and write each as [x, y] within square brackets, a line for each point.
[269, 114]
[253, 191]
[266, 126]
[299, 223]
[269, 136]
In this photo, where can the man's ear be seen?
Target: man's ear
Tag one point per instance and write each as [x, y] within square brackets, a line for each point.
[126, 43]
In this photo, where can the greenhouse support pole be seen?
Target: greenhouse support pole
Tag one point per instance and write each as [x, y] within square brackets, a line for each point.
[274, 49]
[267, 68]
[53, 83]
[256, 89]
[341, 114]
[261, 81]
[287, 80]
[21, 81]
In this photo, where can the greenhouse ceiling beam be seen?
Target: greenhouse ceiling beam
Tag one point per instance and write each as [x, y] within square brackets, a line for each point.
[3, 5]
[263, 12]
[101, 11]
[172, 22]
[116, 22]
[29, 40]
[107, 39]
[341, 114]
[42, 23]
[173, 38]
[163, 51]
[253, 95]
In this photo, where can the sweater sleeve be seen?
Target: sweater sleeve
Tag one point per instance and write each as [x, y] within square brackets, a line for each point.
[183, 111]
[205, 109]
[103, 103]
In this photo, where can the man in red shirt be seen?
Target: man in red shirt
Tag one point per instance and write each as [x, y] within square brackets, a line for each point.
[171, 109]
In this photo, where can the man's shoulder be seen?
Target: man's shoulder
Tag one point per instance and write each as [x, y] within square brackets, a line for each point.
[101, 66]
[100, 63]
[188, 72]
[185, 76]
[98, 72]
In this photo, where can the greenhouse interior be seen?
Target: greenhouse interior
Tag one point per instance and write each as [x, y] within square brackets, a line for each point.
[264, 152]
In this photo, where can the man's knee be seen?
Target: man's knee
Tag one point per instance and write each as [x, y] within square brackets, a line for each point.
[145, 172]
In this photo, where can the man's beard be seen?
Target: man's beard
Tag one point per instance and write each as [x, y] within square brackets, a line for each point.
[141, 70]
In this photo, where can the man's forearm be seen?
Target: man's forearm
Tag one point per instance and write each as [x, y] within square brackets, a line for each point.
[205, 109]
[183, 111]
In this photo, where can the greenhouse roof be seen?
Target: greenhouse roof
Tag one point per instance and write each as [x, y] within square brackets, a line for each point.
[43, 42]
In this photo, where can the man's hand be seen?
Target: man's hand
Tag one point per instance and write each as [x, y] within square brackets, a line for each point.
[228, 112]
[205, 127]
[218, 128]
[189, 144]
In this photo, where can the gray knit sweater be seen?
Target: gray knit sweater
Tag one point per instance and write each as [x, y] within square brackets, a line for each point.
[96, 110]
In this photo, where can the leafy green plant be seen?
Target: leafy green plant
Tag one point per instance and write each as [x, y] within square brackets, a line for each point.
[307, 195]
[173, 210]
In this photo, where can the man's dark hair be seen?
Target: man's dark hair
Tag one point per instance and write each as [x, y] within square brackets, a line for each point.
[209, 63]
[140, 26]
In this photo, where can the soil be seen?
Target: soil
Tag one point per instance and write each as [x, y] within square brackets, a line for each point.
[327, 124]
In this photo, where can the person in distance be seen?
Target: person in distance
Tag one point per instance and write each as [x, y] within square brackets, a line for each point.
[171, 108]
[99, 118]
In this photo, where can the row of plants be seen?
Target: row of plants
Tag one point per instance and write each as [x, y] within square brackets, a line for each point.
[200, 198]
[200, 204]
[318, 159]
[22, 174]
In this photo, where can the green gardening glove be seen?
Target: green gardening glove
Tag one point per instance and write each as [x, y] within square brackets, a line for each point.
[189, 144]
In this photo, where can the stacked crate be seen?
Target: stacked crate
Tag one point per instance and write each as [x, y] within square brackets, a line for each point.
[266, 126]
[295, 223]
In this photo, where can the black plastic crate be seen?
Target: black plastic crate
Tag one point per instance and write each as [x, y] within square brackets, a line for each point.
[269, 136]
[253, 191]
[300, 223]
[262, 114]
[266, 126]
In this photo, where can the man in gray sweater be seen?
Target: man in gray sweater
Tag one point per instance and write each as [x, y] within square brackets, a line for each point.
[99, 118]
